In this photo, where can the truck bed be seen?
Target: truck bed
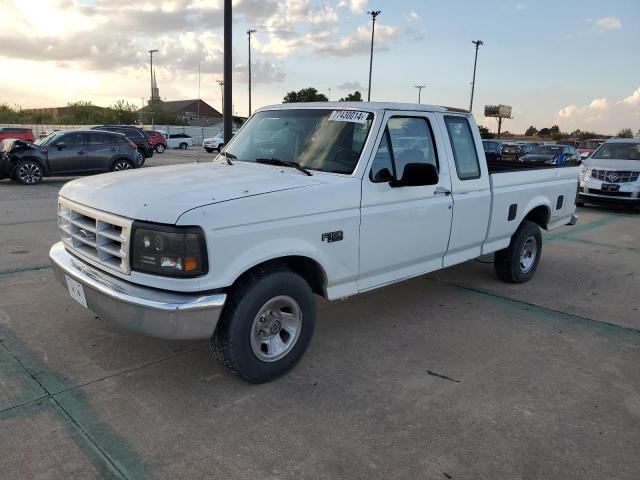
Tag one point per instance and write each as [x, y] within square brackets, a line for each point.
[500, 166]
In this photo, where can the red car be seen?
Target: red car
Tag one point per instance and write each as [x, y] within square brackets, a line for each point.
[25, 134]
[587, 147]
[157, 140]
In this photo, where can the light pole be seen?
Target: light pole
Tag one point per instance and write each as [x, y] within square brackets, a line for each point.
[249, 32]
[151, 99]
[227, 114]
[329, 90]
[419, 87]
[477, 43]
[221, 83]
[374, 14]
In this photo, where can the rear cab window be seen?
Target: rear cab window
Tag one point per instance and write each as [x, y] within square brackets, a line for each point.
[463, 146]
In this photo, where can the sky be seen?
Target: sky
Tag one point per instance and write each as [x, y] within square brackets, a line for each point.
[574, 63]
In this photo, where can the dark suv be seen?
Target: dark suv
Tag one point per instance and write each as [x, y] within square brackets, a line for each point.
[136, 135]
[69, 152]
[492, 149]
[513, 151]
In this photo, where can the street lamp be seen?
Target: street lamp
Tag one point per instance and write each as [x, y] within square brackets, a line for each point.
[477, 43]
[374, 14]
[221, 83]
[249, 32]
[419, 87]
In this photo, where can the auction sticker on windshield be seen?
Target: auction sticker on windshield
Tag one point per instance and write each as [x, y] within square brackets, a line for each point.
[348, 116]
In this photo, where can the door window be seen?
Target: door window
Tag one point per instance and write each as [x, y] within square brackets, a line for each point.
[464, 148]
[405, 140]
[101, 139]
[74, 139]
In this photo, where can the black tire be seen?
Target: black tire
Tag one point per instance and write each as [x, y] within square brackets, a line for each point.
[510, 265]
[220, 147]
[232, 339]
[28, 172]
[160, 148]
[579, 204]
[141, 157]
[183, 146]
[209, 150]
[121, 164]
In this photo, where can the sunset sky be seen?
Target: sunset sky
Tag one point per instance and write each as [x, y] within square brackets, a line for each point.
[571, 62]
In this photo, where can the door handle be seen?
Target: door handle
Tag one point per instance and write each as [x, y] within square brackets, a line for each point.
[82, 153]
[114, 149]
[442, 191]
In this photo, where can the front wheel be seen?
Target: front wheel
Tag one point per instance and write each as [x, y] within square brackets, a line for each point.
[209, 150]
[28, 172]
[266, 326]
[518, 262]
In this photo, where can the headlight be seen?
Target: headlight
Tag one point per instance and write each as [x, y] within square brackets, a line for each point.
[583, 172]
[168, 250]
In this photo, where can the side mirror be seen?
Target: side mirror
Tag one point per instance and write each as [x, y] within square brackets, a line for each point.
[416, 175]
[61, 145]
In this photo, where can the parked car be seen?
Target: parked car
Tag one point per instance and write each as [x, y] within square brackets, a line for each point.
[19, 133]
[492, 149]
[177, 140]
[553, 155]
[612, 173]
[69, 152]
[234, 250]
[212, 144]
[587, 147]
[136, 135]
[513, 151]
[157, 139]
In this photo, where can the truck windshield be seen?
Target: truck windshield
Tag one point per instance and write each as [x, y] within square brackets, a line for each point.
[618, 151]
[316, 139]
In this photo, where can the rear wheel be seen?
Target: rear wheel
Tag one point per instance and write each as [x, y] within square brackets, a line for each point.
[160, 148]
[266, 325]
[29, 172]
[122, 164]
[518, 262]
[183, 146]
[140, 157]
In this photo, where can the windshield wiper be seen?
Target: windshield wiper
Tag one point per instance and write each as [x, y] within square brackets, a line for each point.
[228, 156]
[284, 163]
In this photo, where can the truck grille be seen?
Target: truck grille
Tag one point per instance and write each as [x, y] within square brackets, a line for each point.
[614, 176]
[100, 237]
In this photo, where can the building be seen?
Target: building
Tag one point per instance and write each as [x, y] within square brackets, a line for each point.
[55, 113]
[195, 112]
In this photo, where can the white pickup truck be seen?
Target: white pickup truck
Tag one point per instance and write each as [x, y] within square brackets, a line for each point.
[331, 199]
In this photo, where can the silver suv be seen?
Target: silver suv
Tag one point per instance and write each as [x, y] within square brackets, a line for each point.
[612, 173]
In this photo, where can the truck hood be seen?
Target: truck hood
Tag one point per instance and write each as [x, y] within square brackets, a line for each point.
[162, 194]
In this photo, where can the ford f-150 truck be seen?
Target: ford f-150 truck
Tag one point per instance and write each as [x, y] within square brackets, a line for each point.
[305, 199]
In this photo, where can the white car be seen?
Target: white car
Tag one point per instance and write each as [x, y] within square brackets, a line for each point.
[177, 140]
[215, 143]
[306, 199]
[612, 173]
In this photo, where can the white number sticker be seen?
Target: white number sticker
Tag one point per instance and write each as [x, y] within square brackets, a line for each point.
[348, 116]
[76, 291]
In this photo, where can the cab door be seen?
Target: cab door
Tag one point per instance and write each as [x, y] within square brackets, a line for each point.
[404, 230]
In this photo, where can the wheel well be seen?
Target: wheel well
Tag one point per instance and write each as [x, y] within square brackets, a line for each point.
[43, 164]
[539, 215]
[307, 268]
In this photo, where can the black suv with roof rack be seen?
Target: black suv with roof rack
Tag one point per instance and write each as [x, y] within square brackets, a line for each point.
[136, 135]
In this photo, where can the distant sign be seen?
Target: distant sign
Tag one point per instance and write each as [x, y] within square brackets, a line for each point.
[500, 111]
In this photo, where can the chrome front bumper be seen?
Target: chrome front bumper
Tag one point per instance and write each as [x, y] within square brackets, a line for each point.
[157, 313]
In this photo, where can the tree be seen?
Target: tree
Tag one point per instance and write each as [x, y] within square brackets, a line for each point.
[124, 112]
[625, 133]
[352, 97]
[544, 132]
[531, 131]
[484, 132]
[308, 94]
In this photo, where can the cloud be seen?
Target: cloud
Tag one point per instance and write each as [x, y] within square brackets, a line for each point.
[351, 86]
[608, 23]
[356, 6]
[413, 16]
[602, 115]
[359, 43]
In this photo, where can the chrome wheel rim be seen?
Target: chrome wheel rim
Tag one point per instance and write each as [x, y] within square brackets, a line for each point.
[122, 166]
[528, 254]
[29, 173]
[276, 328]
[160, 148]
[140, 158]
